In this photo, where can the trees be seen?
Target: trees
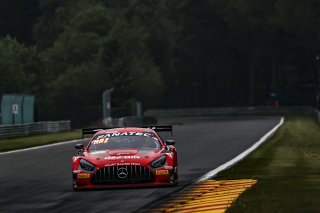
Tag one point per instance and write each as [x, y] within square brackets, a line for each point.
[20, 70]
[98, 48]
[17, 18]
[182, 53]
[240, 51]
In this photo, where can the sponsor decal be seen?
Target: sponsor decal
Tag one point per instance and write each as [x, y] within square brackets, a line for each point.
[162, 172]
[121, 157]
[128, 164]
[116, 134]
[103, 139]
[167, 167]
[100, 141]
[83, 175]
[123, 164]
[123, 153]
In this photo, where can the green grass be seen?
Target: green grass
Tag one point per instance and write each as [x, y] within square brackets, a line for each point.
[37, 140]
[287, 168]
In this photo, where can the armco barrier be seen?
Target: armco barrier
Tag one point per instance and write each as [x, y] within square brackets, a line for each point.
[9, 131]
[235, 111]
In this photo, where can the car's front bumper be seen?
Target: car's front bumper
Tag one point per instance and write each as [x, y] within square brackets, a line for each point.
[101, 179]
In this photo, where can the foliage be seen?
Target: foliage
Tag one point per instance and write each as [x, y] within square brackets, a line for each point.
[98, 49]
[17, 18]
[19, 67]
[164, 53]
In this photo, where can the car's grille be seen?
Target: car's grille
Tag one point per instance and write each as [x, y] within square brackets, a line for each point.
[122, 175]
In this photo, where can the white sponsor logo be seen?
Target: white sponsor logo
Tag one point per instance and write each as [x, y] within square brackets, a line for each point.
[121, 157]
[123, 164]
[116, 134]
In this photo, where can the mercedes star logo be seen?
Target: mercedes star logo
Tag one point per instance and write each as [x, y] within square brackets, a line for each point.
[122, 172]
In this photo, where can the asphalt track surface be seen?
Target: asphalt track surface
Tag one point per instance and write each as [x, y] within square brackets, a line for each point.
[40, 180]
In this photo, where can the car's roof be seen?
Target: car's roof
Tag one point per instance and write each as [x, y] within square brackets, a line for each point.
[126, 129]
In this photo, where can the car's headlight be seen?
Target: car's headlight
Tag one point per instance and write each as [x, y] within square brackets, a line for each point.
[159, 162]
[85, 165]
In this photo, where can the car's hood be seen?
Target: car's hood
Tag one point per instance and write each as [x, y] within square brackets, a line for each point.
[122, 157]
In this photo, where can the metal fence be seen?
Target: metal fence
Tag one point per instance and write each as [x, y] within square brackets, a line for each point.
[8, 131]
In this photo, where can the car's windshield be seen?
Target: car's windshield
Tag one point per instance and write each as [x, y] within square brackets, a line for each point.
[124, 140]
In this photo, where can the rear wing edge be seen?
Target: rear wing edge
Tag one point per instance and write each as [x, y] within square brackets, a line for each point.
[167, 128]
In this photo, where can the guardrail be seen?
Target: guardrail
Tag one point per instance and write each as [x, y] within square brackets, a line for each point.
[9, 131]
[235, 111]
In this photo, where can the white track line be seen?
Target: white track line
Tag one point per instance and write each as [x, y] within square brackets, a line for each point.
[242, 155]
[40, 147]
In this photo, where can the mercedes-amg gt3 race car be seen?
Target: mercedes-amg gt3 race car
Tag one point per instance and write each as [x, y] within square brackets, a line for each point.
[125, 157]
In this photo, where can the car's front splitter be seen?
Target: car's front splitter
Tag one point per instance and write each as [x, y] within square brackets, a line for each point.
[105, 186]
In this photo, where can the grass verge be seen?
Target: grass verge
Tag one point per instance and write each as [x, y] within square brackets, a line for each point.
[287, 168]
[37, 140]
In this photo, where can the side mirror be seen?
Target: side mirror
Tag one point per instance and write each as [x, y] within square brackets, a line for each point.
[79, 146]
[170, 142]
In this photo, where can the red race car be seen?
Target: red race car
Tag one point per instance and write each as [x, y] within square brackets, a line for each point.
[125, 157]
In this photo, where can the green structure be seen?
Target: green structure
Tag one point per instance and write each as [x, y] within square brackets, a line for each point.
[17, 109]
